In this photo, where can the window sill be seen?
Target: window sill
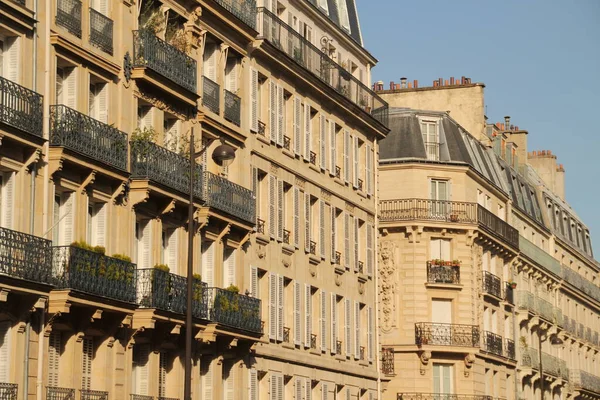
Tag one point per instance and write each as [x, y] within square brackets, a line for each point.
[450, 286]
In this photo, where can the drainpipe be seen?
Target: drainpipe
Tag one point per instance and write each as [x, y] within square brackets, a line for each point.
[26, 359]
[376, 277]
[46, 123]
[41, 352]
[34, 86]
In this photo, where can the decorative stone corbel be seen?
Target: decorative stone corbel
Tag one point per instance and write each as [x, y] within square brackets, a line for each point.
[87, 181]
[97, 315]
[111, 342]
[176, 329]
[21, 327]
[168, 208]
[4, 294]
[424, 357]
[469, 361]
[223, 233]
[260, 251]
[361, 288]
[79, 337]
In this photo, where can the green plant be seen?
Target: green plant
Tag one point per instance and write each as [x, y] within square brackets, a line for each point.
[121, 257]
[232, 288]
[523, 342]
[198, 287]
[82, 244]
[161, 267]
[151, 17]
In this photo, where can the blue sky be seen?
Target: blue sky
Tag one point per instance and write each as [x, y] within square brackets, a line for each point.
[539, 60]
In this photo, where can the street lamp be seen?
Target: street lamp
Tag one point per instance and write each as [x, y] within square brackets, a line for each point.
[223, 155]
[554, 341]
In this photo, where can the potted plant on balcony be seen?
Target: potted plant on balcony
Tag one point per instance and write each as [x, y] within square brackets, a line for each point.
[226, 301]
[453, 217]
[512, 284]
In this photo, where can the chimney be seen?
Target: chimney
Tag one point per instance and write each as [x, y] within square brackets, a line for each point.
[392, 85]
[409, 85]
[415, 83]
[507, 121]
[403, 83]
[452, 80]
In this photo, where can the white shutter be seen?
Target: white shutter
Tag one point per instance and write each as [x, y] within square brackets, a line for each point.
[272, 206]
[70, 87]
[308, 389]
[5, 349]
[297, 318]
[333, 233]
[210, 61]
[147, 120]
[307, 132]
[255, 191]
[206, 373]
[297, 126]
[253, 100]
[323, 142]
[254, 281]
[297, 217]
[322, 228]
[298, 388]
[348, 326]
[231, 78]
[280, 115]
[102, 101]
[87, 356]
[324, 390]
[142, 352]
[356, 330]
[356, 244]
[370, 339]
[347, 262]
[229, 267]
[8, 198]
[307, 221]
[101, 211]
[273, 306]
[172, 251]
[323, 321]
[368, 170]
[333, 328]
[208, 263]
[332, 148]
[273, 119]
[307, 316]
[348, 394]
[280, 307]
[12, 55]
[54, 349]
[68, 210]
[229, 380]
[252, 384]
[369, 249]
[280, 387]
[162, 374]
[356, 159]
[280, 206]
[347, 157]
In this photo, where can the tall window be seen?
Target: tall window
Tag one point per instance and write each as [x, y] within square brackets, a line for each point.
[63, 219]
[96, 223]
[169, 254]
[143, 236]
[98, 100]
[9, 57]
[141, 354]
[429, 130]
[7, 189]
[66, 86]
[442, 378]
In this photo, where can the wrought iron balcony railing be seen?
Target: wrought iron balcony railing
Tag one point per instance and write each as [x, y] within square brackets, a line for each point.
[387, 360]
[359, 184]
[361, 267]
[244, 10]
[492, 284]
[427, 210]
[338, 172]
[59, 393]
[168, 292]
[437, 334]
[25, 256]
[509, 294]
[497, 227]
[509, 349]
[101, 31]
[21, 2]
[580, 329]
[552, 365]
[544, 308]
[234, 310]
[308, 56]
[153, 162]
[585, 380]
[20, 107]
[68, 15]
[525, 300]
[94, 273]
[88, 136]
[441, 396]
[530, 358]
[313, 158]
[492, 343]
[441, 273]
[140, 397]
[161, 57]
[262, 128]
[229, 197]
[93, 395]
[8, 391]
[210, 95]
[539, 256]
[260, 226]
[580, 282]
[338, 258]
[233, 108]
[361, 353]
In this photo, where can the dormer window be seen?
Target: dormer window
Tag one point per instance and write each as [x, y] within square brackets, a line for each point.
[431, 139]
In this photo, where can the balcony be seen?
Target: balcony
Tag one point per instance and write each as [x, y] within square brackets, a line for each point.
[101, 31]
[155, 163]
[87, 136]
[8, 391]
[509, 349]
[68, 15]
[525, 300]
[244, 10]
[441, 396]
[20, 107]
[140, 397]
[437, 334]
[25, 256]
[210, 95]
[286, 335]
[233, 108]
[308, 56]
[492, 343]
[492, 285]
[387, 360]
[234, 310]
[166, 60]
[94, 273]
[497, 227]
[427, 210]
[551, 365]
[544, 309]
[445, 272]
[229, 197]
[338, 347]
[93, 395]
[59, 393]
[539, 256]
[581, 283]
[168, 292]
[582, 380]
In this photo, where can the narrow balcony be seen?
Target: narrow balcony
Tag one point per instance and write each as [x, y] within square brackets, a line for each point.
[140, 397]
[24, 256]
[86, 394]
[544, 309]
[101, 31]
[233, 108]
[445, 272]
[304, 53]
[427, 210]
[94, 273]
[551, 365]
[229, 197]
[59, 393]
[244, 10]
[164, 59]
[387, 360]
[338, 347]
[539, 256]
[492, 343]
[582, 380]
[164, 167]
[437, 334]
[441, 396]
[313, 341]
[580, 282]
[525, 300]
[234, 310]
[509, 349]
[87, 136]
[211, 95]
[8, 391]
[497, 227]
[492, 285]
[165, 291]
[20, 108]
[68, 15]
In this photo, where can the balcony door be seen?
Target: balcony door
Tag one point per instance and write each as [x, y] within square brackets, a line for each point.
[439, 195]
[442, 379]
[441, 316]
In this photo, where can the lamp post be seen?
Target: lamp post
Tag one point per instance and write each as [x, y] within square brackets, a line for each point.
[223, 156]
[554, 341]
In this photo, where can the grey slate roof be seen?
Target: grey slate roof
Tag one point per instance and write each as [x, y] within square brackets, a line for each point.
[354, 33]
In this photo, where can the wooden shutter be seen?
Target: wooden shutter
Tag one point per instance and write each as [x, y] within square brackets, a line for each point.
[348, 326]
[347, 240]
[68, 210]
[255, 192]
[369, 169]
[332, 148]
[280, 307]
[54, 350]
[297, 217]
[208, 263]
[273, 119]
[333, 237]
[307, 221]
[356, 330]
[298, 388]
[8, 199]
[231, 72]
[273, 306]
[308, 389]
[140, 367]
[347, 157]
[280, 210]
[280, 115]
[252, 384]
[307, 132]
[370, 339]
[254, 281]
[324, 391]
[210, 61]
[356, 244]
[307, 315]
[162, 374]
[370, 249]
[333, 328]
[229, 380]
[280, 387]
[11, 58]
[102, 101]
[297, 317]
[356, 159]
[322, 228]
[101, 211]
[229, 266]
[323, 142]
[253, 100]
[273, 206]
[172, 251]
[206, 372]
[87, 356]
[297, 126]
[323, 321]
[70, 87]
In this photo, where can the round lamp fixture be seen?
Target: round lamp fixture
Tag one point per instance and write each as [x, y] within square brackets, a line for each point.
[556, 341]
[223, 155]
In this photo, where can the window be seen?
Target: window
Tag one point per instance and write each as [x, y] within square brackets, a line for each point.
[7, 198]
[440, 249]
[98, 100]
[429, 131]
[229, 380]
[323, 5]
[171, 133]
[63, 218]
[163, 363]
[323, 320]
[348, 326]
[209, 65]
[343, 14]
[208, 261]
[334, 322]
[232, 73]
[276, 113]
[170, 249]
[145, 117]
[141, 354]
[143, 236]
[307, 315]
[96, 223]
[252, 384]
[277, 387]
[100, 5]
[276, 307]
[439, 190]
[54, 352]
[229, 272]
[298, 313]
[298, 126]
[206, 377]
[347, 156]
[254, 100]
[10, 57]
[66, 86]
[5, 349]
[87, 356]
[443, 378]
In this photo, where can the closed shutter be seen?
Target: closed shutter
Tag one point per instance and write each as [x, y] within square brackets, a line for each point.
[5, 349]
[253, 100]
[101, 211]
[333, 237]
[297, 313]
[8, 198]
[280, 307]
[348, 394]
[140, 368]
[370, 249]
[102, 101]
[206, 373]
[210, 61]
[356, 159]
[307, 221]
[323, 142]
[272, 206]
[147, 117]
[11, 58]
[356, 244]
[322, 229]
[68, 211]
[231, 78]
[70, 87]
[252, 384]
[208, 263]
[229, 267]
[254, 281]
[332, 148]
[280, 210]
[162, 374]
[323, 321]
[273, 306]
[87, 356]
[146, 239]
[273, 120]
[298, 388]
[280, 116]
[356, 330]
[54, 350]
[308, 389]
[369, 169]
[307, 132]
[347, 240]
[297, 217]
[348, 326]
[172, 251]
[307, 315]
[297, 126]
[229, 380]
[280, 387]
[347, 157]
[324, 391]
[255, 192]
[370, 339]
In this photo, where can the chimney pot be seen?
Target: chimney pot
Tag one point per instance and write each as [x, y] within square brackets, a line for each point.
[452, 80]
[409, 85]
[403, 83]
[446, 82]
[416, 83]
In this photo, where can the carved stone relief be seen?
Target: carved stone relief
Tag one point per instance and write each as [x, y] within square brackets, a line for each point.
[387, 272]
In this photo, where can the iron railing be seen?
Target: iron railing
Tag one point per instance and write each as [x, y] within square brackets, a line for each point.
[21, 2]
[313, 158]
[140, 397]
[234, 310]
[552, 365]
[210, 95]
[530, 358]
[8, 391]
[244, 10]
[497, 227]
[361, 353]
[387, 360]
[59, 393]
[260, 226]
[585, 380]
[229, 197]
[168, 292]
[287, 143]
[427, 210]
[94, 273]
[580, 330]
[161, 57]
[262, 128]
[308, 56]
[101, 31]
[509, 349]
[153, 162]
[233, 107]
[539, 256]
[338, 172]
[441, 396]
[20, 107]
[525, 300]
[86, 394]
[544, 308]
[25, 256]
[88, 136]
[438, 334]
[492, 284]
[286, 236]
[68, 15]
[312, 248]
[437, 273]
[580, 283]
[492, 343]
[338, 258]
[359, 184]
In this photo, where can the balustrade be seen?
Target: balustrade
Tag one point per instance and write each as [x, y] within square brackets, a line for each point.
[429, 333]
[20, 107]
